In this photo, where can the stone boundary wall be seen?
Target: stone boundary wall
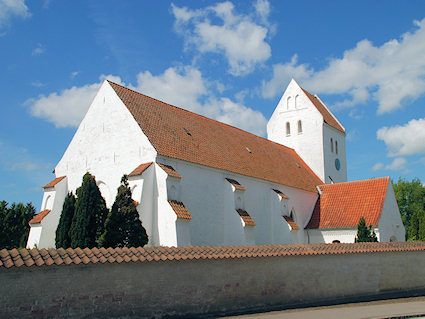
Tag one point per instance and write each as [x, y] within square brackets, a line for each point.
[189, 281]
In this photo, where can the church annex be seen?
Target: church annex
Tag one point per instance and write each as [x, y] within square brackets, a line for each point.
[201, 182]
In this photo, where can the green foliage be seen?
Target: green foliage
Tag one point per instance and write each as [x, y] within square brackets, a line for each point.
[410, 198]
[14, 227]
[123, 226]
[63, 238]
[364, 233]
[90, 214]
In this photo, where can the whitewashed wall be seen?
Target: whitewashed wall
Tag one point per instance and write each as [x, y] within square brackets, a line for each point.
[108, 143]
[330, 155]
[390, 225]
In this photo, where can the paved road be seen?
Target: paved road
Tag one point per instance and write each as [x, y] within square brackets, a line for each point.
[375, 309]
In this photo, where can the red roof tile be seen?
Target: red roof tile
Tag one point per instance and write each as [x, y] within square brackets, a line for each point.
[327, 116]
[342, 205]
[39, 217]
[180, 210]
[140, 169]
[236, 184]
[245, 217]
[291, 223]
[170, 170]
[281, 194]
[54, 182]
[61, 257]
[215, 144]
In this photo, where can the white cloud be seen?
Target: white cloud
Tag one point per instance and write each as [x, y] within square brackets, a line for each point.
[74, 74]
[238, 37]
[37, 84]
[402, 140]
[10, 9]
[392, 74]
[184, 87]
[398, 164]
[38, 50]
[68, 107]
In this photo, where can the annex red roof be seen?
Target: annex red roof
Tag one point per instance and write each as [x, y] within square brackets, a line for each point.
[39, 217]
[180, 134]
[77, 256]
[54, 182]
[342, 205]
[140, 169]
[327, 116]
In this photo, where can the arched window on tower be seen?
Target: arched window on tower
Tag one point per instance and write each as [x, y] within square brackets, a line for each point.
[288, 129]
[336, 147]
[300, 127]
[332, 145]
[288, 103]
[296, 101]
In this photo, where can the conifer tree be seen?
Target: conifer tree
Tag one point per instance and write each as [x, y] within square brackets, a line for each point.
[123, 226]
[364, 233]
[90, 214]
[63, 238]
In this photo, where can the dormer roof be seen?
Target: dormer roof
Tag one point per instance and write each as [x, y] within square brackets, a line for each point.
[183, 135]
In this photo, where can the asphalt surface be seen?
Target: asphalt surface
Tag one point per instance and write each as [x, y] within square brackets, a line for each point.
[393, 308]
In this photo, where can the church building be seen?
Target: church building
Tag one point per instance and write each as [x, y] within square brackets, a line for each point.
[201, 182]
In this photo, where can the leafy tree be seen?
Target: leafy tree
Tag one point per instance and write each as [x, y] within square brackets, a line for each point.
[14, 227]
[123, 226]
[90, 214]
[364, 233]
[410, 198]
[63, 238]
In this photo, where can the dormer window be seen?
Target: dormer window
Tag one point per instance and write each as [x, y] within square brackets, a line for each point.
[300, 127]
[288, 129]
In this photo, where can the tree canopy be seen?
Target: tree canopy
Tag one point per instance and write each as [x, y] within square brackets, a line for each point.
[14, 227]
[90, 214]
[364, 233]
[123, 226]
[410, 198]
[63, 237]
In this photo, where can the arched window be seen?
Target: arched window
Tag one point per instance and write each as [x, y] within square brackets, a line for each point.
[48, 202]
[288, 102]
[332, 145]
[296, 101]
[336, 241]
[336, 147]
[288, 129]
[292, 215]
[300, 127]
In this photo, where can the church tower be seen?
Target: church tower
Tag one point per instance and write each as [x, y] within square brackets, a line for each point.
[303, 122]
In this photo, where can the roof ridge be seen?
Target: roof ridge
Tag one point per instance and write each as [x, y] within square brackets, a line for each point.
[203, 116]
[358, 181]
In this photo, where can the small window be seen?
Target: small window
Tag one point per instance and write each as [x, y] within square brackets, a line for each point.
[336, 241]
[332, 145]
[296, 101]
[288, 129]
[336, 147]
[300, 127]
[288, 102]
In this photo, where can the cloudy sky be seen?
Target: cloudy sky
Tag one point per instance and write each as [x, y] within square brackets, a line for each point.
[230, 61]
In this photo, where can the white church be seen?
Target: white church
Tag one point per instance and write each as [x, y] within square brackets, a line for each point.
[200, 182]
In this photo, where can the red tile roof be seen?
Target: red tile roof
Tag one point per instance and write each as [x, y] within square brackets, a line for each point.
[60, 256]
[291, 223]
[327, 116]
[245, 217]
[180, 210]
[170, 170]
[236, 184]
[215, 144]
[281, 194]
[342, 205]
[140, 169]
[39, 217]
[54, 182]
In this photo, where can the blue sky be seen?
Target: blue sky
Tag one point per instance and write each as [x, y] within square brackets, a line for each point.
[227, 60]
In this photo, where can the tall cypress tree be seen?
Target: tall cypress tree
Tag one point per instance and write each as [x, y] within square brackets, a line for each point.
[90, 214]
[63, 238]
[123, 226]
[364, 233]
